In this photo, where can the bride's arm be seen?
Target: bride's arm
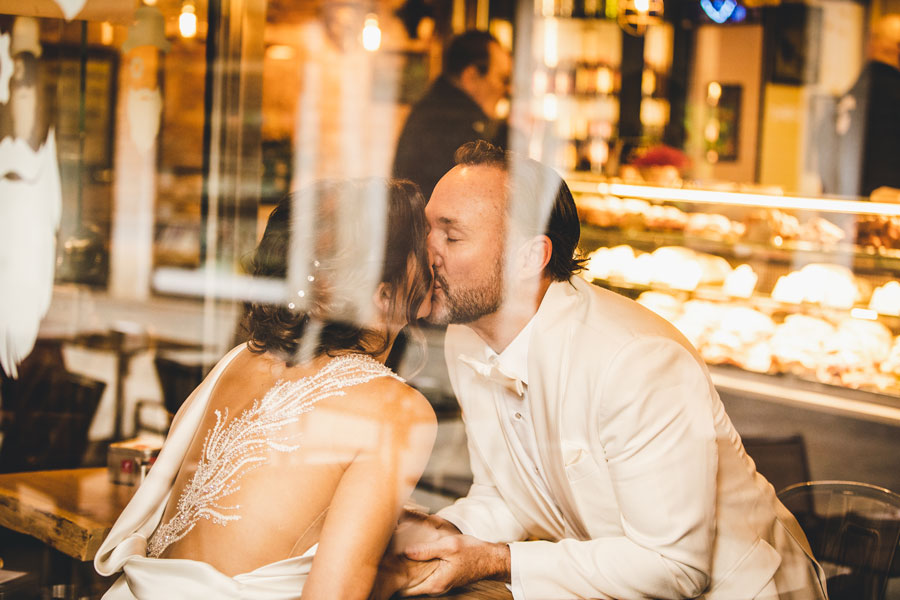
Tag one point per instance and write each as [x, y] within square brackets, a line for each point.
[371, 492]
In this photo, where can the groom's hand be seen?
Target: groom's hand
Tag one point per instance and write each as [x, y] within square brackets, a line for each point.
[396, 572]
[460, 559]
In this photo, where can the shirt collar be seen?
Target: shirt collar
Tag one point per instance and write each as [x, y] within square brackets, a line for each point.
[514, 359]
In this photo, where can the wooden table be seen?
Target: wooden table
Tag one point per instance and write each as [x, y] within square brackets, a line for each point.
[73, 510]
[69, 510]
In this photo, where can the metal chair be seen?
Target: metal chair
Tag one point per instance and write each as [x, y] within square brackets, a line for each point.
[853, 529]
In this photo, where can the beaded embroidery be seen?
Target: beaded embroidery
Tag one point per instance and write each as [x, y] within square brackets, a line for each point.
[233, 449]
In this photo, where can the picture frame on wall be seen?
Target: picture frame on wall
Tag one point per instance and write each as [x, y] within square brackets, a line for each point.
[794, 33]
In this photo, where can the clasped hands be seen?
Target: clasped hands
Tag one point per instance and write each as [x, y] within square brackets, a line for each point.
[429, 556]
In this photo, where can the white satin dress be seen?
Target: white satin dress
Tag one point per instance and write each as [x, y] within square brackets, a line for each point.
[138, 535]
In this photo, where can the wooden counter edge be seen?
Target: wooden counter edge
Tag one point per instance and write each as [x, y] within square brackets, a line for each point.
[75, 536]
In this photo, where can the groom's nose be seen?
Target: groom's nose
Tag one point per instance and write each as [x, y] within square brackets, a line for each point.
[430, 246]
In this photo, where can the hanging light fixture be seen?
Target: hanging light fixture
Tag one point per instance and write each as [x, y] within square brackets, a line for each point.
[636, 15]
[371, 33]
[187, 20]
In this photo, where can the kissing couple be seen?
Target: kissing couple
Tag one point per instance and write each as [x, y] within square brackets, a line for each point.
[604, 465]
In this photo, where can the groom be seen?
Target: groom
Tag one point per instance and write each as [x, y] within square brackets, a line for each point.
[604, 464]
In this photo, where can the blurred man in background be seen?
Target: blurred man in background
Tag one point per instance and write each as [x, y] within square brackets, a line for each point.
[460, 106]
[861, 153]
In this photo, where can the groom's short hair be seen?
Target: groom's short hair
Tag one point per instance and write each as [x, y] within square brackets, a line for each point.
[539, 202]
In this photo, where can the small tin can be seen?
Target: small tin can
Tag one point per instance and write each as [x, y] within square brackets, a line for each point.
[129, 461]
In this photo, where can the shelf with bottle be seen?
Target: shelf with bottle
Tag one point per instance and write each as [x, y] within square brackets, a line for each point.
[577, 78]
[577, 9]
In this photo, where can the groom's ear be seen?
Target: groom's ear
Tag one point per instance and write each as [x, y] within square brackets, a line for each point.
[382, 297]
[534, 256]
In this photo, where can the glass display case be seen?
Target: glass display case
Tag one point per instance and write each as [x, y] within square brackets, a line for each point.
[792, 298]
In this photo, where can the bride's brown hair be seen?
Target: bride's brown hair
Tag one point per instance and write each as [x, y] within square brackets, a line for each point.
[335, 256]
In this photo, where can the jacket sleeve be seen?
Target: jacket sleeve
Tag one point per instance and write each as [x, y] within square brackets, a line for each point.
[482, 512]
[652, 421]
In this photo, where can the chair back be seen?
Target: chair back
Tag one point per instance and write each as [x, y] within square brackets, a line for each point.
[781, 460]
[853, 529]
[177, 379]
[49, 427]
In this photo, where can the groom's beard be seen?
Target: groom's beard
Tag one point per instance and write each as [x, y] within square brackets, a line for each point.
[466, 305]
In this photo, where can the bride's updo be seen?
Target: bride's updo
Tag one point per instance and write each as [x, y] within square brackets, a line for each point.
[333, 244]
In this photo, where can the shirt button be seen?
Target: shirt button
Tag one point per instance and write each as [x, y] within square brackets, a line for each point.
[518, 415]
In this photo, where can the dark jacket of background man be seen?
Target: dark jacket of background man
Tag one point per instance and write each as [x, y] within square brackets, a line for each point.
[459, 107]
[865, 152]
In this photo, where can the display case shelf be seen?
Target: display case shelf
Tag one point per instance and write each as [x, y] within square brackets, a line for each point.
[865, 368]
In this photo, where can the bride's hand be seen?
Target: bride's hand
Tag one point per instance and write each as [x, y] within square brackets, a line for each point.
[396, 572]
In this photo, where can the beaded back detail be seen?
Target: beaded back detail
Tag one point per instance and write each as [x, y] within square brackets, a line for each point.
[234, 448]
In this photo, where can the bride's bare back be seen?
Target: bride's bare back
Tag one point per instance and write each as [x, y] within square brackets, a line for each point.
[288, 457]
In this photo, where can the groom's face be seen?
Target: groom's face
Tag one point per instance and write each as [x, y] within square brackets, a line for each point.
[467, 222]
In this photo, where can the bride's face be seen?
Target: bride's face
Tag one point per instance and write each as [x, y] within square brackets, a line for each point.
[425, 307]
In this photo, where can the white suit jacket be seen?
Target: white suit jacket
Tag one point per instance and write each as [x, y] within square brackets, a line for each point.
[655, 495]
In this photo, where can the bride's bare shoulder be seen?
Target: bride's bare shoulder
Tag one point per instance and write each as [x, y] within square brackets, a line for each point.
[392, 400]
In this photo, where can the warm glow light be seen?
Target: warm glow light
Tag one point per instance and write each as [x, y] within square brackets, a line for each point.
[648, 82]
[551, 52]
[371, 35]
[713, 92]
[280, 52]
[711, 131]
[647, 192]
[150, 2]
[187, 20]
[864, 313]
[106, 33]
[642, 6]
[551, 107]
[502, 109]
[604, 80]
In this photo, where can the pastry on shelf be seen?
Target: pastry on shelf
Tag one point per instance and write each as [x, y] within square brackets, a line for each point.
[713, 226]
[698, 319]
[878, 231]
[611, 211]
[853, 355]
[758, 357]
[665, 218]
[891, 364]
[740, 282]
[858, 344]
[886, 299]
[798, 343]
[684, 269]
[665, 305]
[739, 330]
[609, 263]
[770, 226]
[821, 231]
[829, 285]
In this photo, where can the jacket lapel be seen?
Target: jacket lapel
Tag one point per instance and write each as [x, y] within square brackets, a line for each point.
[549, 359]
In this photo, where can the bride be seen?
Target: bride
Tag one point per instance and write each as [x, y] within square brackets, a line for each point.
[284, 473]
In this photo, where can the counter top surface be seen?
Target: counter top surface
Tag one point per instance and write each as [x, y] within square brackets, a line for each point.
[73, 510]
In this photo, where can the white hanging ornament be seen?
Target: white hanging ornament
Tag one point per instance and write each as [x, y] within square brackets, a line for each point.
[30, 207]
[6, 68]
[30, 203]
[70, 8]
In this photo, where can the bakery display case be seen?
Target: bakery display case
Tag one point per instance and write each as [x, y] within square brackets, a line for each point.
[782, 296]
